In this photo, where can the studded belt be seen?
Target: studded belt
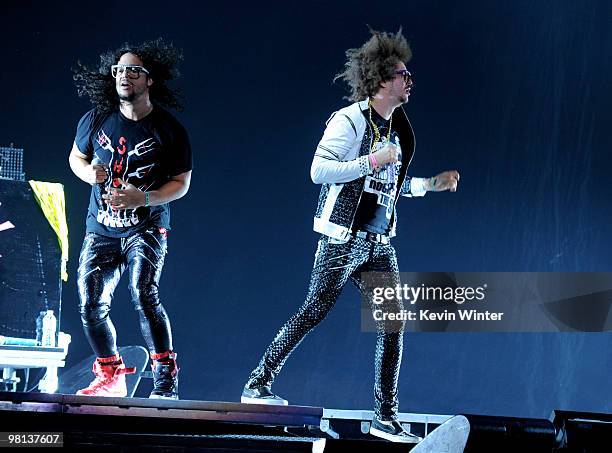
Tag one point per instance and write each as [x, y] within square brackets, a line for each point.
[373, 237]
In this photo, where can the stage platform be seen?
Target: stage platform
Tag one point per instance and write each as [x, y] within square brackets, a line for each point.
[93, 422]
[140, 424]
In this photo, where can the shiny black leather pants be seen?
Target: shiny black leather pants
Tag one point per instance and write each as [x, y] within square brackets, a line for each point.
[101, 263]
[334, 265]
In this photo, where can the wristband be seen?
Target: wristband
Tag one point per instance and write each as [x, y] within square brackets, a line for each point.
[373, 161]
[146, 199]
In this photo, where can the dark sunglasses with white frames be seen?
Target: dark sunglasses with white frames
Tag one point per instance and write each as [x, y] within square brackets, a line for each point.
[132, 71]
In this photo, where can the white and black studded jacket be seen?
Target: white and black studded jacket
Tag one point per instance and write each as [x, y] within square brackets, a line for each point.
[341, 164]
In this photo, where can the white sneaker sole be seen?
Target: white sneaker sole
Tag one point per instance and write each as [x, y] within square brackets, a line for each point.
[159, 397]
[385, 435]
[107, 395]
[271, 402]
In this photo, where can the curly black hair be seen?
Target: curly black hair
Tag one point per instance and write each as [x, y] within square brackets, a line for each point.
[374, 62]
[161, 60]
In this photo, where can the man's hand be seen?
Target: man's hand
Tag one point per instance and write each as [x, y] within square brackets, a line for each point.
[386, 155]
[95, 174]
[447, 180]
[130, 197]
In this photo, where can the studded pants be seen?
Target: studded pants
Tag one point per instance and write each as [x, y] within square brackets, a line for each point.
[101, 263]
[334, 265]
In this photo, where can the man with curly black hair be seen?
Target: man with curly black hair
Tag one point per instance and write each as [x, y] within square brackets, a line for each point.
[137, 157]
[361, 162]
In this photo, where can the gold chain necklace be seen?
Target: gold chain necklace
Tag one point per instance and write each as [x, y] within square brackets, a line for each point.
[375, 127]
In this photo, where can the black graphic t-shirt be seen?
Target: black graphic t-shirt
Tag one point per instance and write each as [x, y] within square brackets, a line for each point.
[376, 206]
[145, 153]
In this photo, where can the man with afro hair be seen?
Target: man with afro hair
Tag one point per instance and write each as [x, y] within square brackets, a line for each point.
[361, 163]
[137, 157]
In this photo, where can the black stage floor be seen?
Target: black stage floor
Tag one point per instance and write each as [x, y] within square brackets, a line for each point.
[139, 424]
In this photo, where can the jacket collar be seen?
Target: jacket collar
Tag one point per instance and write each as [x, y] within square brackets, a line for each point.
[398, 113]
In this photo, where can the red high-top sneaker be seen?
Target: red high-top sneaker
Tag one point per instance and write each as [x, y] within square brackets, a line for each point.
[110, 377]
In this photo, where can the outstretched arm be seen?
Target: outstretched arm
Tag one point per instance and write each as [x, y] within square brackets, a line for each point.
[417, 187]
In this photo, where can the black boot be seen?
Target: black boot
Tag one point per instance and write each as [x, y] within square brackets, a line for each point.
[392, 430]
[165, 376]
[261, 395]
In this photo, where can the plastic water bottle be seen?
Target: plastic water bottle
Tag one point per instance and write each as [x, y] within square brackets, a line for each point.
[49, 326]
[39, 326]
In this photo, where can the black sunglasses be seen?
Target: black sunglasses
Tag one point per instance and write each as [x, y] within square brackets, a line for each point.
[405, 74]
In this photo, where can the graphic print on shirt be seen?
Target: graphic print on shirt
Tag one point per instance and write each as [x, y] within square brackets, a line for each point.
[383, 182]
[121, 165]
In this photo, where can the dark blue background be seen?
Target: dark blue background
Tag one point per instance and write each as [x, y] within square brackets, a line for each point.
[515, 95]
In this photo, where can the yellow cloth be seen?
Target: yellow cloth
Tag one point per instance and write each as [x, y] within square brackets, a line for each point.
[50, 197]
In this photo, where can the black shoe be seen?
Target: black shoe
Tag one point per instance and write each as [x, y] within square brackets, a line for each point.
[261, 395]
[392, 430]
[165, 379]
